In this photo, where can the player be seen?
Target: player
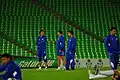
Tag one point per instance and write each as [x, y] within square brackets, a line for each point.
[70, 54]
[111, 43]
[60, 49]
[10, 70]
[41, 49]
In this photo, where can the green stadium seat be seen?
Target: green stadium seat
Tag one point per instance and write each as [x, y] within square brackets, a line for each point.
[23, 20]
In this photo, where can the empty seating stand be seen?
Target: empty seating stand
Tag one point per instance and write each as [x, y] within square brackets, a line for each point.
[22, 20]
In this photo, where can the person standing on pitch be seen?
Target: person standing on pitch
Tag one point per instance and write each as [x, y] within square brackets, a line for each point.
[70, 54]
[111, 43]
[60, 49]
[41, 49]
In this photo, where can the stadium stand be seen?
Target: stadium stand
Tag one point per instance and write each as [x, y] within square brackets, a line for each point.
[22, 20]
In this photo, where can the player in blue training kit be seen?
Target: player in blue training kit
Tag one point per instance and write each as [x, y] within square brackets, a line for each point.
[41, 49]
[60, 49]
[70, 54]
[9, 69]
[111, 43]
[112, 46]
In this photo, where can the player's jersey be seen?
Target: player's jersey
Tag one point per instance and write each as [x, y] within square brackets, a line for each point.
[60, 43]
[11, 70]
[71, 44]
[112, 44]
[41, 42]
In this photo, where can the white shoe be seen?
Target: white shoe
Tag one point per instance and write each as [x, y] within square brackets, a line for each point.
[39, 68]
[64, 68]
[45, 68]
[58, 68]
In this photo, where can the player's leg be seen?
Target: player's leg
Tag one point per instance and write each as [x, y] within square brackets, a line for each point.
[39, 59]
[45, 58]
[116, 59]
[63, 60]
[112, 63]
[67, 61]
[40, 62]
[72, 61]
[59, 62]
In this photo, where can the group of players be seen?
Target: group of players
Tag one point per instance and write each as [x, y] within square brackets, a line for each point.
[11, 71]
[60, 50]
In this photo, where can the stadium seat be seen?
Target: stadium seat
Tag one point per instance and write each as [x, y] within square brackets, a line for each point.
[23, 20]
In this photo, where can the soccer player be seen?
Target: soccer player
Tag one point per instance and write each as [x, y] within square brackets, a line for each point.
[41, 49]
[70, 54]
[9, 69]
[60, 49]
[111, 43]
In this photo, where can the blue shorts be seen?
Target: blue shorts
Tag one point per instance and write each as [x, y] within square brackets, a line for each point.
[42, 56]
[62, 53]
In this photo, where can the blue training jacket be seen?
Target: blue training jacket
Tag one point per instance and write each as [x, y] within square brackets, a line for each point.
[60, 43]
[41, 42]
[112, 44]
[11, 70]
[71, 44]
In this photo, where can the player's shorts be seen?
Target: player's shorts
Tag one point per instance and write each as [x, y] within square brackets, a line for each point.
[114, 59]
[62, 53]
[42, 56]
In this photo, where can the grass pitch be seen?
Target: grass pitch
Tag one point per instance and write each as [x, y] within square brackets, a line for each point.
[53, 74]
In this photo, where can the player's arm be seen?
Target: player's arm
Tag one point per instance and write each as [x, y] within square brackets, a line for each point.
[44, 41]
[73, 44]
[2, 68]
[8, 71]
[62, 43]
[106, 43]
[69, 46]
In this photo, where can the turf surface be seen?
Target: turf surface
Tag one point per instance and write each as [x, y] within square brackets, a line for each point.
[53, 74]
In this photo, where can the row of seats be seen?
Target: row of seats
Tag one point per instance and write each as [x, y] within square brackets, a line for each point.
[94, 15]
[23, 20]
[26, 31]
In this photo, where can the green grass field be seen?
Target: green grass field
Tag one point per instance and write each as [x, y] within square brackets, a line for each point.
[53, 74]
